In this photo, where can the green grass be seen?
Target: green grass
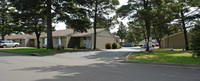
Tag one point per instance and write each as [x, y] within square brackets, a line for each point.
[166, 56]
[35, 50]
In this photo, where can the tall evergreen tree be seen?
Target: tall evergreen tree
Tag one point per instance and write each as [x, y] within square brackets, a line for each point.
[182, 7]
[67, 11]
[195, 44]
[163, 15]
[31, 17]
[97, 11]
[6, 18]
[139, 9]
[122, 31]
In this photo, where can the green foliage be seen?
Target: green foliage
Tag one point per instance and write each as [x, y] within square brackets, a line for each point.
[108, 45]
[138, 30]
[130, 37]
[162, 15]
[7, 22]
[58, 48]
[104, 9]
[122, 30]
[31, 16]
[195, 42]
[62, 47]
[118, 46]
[114, 45]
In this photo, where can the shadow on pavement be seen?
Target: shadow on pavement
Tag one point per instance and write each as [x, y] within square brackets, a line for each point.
[2, 54]
[116, 72]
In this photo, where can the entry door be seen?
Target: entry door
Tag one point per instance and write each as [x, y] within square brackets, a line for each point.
[88, 44]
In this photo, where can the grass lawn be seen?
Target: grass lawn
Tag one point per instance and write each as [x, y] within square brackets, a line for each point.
[35, 50]
[165, 56]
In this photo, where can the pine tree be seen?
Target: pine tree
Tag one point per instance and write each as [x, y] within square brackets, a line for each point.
[6, 19]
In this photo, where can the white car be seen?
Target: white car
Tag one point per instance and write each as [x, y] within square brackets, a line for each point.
[7, 43]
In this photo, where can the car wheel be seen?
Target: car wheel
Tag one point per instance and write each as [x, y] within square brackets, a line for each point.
[16, 45]
[4, 46]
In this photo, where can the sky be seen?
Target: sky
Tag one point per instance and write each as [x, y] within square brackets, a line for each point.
[62, 26]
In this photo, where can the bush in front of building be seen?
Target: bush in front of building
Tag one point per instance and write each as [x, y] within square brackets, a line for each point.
[62, 47]
[118, 46]
[195, 42]
[114, 45]
[108, 45]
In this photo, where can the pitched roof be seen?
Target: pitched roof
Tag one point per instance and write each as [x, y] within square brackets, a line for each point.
[60, 33]
[176, 34]
[88, 33]
[18, 36]
[56, 34]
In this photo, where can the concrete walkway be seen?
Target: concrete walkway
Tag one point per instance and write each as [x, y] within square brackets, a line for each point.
[88, 66]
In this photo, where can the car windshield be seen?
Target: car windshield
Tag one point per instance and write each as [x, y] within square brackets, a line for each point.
[11, 41]
[2, 41]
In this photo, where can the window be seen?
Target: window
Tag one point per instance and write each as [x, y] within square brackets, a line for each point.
[20, 41]
[11, 42]
[44, 41]
[59, 41]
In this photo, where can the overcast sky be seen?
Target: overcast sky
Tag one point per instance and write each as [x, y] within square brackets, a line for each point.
[62, 26]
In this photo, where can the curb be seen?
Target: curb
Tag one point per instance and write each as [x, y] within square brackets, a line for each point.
[159, 63]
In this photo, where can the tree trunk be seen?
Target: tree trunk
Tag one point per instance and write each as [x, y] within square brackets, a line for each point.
[95, 24]
[148, 33]
[147, 23]
[185, 31]
[38, 39]
[49, 26]
[143, 30]
[2, 36]
[159, 44]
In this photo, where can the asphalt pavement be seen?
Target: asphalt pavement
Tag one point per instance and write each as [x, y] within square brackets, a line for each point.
[89, 66]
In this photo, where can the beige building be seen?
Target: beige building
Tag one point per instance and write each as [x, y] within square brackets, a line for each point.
[69, 39]
[23, 40]
[176, 40]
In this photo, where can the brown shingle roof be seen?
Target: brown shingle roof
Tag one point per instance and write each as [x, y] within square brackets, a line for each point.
[88, 33]
[56, 34]
[17, 36]
[59, 33]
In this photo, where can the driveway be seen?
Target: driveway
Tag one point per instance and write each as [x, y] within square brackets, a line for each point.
[106, 55]
[88, 66]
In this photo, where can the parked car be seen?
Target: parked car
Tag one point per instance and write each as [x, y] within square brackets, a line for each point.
[156, 44]
[7, 43]
[127, 45]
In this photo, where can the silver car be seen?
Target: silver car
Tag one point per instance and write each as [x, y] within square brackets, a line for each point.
[7, 43]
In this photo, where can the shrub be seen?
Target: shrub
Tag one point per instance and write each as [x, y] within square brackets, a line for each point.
[108, 45]
[195, 42]
[118, 46]
[62, 47]
[114, 45]
[58, 48]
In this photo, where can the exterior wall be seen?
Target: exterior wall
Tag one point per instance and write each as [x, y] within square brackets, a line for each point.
[176, 41]
[102, 38]
[64, 42]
